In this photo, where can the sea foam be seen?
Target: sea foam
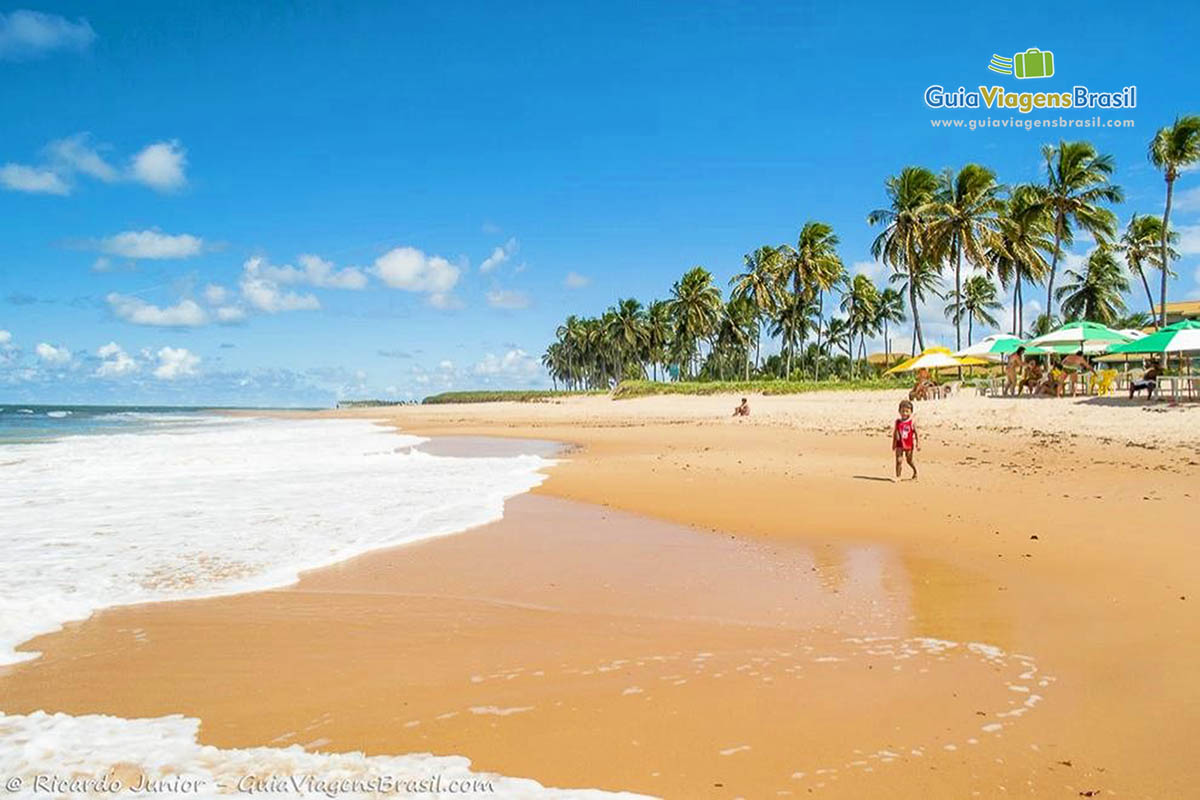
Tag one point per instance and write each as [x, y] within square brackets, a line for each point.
[234, 505]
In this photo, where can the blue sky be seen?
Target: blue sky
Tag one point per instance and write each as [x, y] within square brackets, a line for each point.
[287, 203]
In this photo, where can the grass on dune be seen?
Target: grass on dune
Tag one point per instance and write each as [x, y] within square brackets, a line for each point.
[628, 389]
[505, 396]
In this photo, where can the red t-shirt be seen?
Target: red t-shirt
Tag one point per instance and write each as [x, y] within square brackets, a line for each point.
[905, 434]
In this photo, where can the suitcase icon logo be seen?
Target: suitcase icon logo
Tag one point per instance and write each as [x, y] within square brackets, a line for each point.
[1033, 63]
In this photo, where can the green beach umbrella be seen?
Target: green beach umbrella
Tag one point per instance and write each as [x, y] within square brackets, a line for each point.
[1181, 337]
[996, 346]
[1090, 336]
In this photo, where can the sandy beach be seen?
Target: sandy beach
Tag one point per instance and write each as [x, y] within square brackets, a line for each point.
[696, 606]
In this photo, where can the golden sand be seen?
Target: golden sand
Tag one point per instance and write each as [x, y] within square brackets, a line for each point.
[781, 643]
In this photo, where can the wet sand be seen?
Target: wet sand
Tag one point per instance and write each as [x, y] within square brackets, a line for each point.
[751, 654]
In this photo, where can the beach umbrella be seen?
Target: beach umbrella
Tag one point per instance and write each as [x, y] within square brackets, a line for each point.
[1181, 337]
[1091, 336]
[996, 346]
[935, 358]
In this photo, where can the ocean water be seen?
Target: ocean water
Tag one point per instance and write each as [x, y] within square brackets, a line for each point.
[137, 506]
[108, 506]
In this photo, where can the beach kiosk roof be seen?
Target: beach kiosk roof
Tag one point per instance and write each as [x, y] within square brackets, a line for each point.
[1092, 337]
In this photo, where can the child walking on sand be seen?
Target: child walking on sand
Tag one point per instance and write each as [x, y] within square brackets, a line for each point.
[904, 438]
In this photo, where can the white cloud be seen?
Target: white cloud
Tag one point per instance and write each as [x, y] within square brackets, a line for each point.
[161, 166]
[76, 154]
[152, 244]
[410, 270]
[510, 299]
[316, 271]
[872, 269]
[35, 180]
[499, 256]
[115, 362]
[216, 294]
[490, 228]
[576, 281]
[445, 302]
[101, 264]
[1189, 240]
[230, 314]
[446, 366]
[184, 314]
[175, 362]
[28, 34]
[5, 339]
[264, 294]
[514, 363]
[51, 354]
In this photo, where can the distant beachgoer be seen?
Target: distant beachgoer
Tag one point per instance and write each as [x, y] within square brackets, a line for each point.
[1033, 376]
[1012, 370]
[743, 409]
[905, 439]
[1149, 381]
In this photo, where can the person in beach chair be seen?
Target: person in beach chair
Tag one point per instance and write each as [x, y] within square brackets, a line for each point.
[925, 388]
[1033, 377]
[1148, 382]
[743, 409]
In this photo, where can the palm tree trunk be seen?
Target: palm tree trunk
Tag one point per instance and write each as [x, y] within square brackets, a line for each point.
[958, 303]
[820, 315]
[918, 336]
[1146, 285]
[970, 326]
[1166, 265]
[1053, 266]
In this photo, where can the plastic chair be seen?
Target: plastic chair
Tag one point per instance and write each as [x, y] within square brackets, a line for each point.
[1104, 384]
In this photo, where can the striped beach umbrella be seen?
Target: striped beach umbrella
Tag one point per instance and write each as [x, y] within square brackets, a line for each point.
[1182, 337]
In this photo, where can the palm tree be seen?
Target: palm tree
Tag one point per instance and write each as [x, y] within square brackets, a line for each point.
[1095, 293]
[923, 281]
[1141, 244]
[965, 212]
[696, 310]
[860, 302]
[737, 328]
[814, 268]
[1136, 320]
[904, 242]
[1172, 149]
[570, 333]
[790, 324]
[838, 335]
[889, 309]
[1016, 252]
[658, 333]
[626, 327]
[1078, 180]
[762, 284]
[977, 304]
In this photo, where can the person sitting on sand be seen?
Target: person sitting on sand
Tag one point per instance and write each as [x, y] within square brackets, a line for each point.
[1149, 382]
[1075, 365]
[1013, 371]
[904, 438]
[743, 409]
[924, 388]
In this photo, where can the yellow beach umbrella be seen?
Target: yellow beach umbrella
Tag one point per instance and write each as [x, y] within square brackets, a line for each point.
[936, 358]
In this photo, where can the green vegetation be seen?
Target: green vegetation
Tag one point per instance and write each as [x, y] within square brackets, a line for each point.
[641, 388]
[961, 237]
[507, 396]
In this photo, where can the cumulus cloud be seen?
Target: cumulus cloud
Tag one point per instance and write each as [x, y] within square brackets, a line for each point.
[509, 299]
[499, 256]
[28, 34]
[264, 293]
[51, 354]
[115, 362]
[5, 339]
[409, 269]
[514, 363]
[77, 154]
[316, 271]
[1189, 240]
[152, 244]
[161, 166]
[175, 362]
[576, 281]
[34, 180]
[184, 314]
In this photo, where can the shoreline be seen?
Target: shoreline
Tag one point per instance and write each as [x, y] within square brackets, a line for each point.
[1107, 619]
